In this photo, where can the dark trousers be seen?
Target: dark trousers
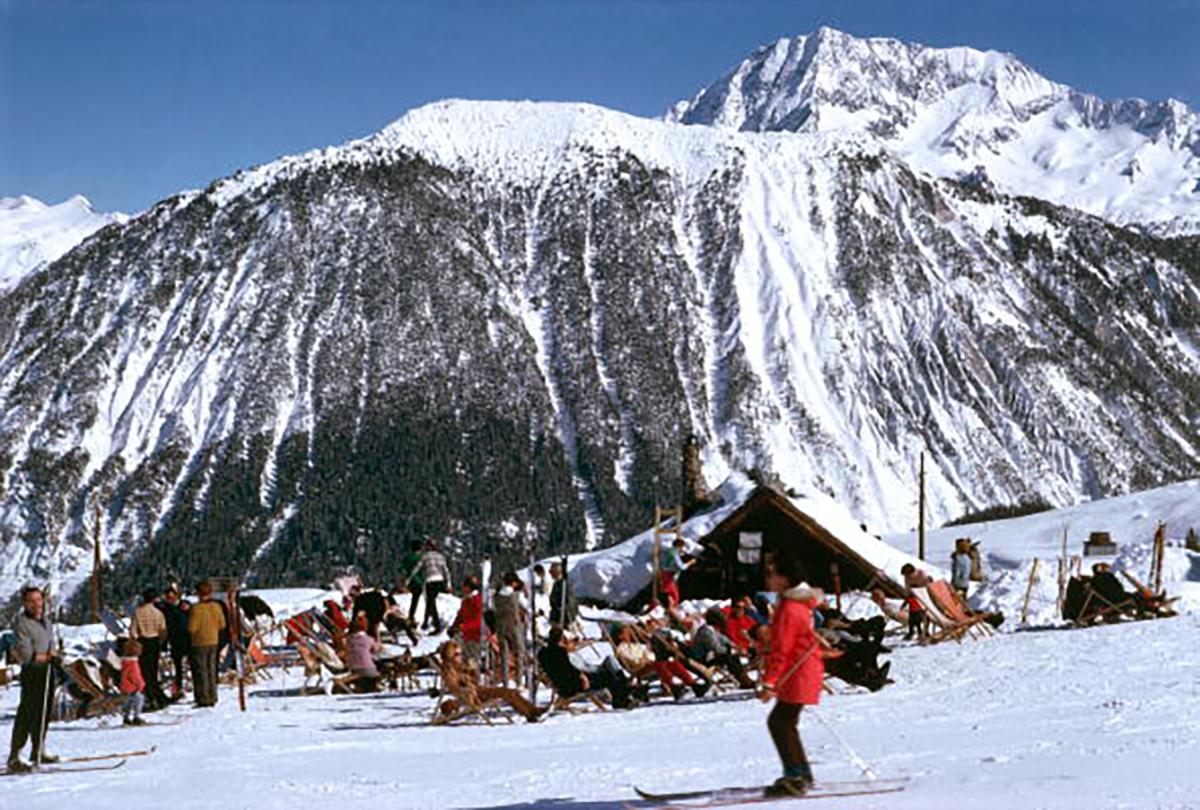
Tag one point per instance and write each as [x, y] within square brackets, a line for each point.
[784, 724]
[204, 674]
[610, 675]
[31, 720]
[916, 624]
[148, 660]
[432, 589]
[414, 597]
[179, 655]
[736, 668]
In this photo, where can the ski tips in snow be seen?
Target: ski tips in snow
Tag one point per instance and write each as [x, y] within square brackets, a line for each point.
[752, 794]
[64, 768]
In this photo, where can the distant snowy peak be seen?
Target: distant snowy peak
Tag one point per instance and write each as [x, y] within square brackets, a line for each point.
[958, 111]
[33, 234]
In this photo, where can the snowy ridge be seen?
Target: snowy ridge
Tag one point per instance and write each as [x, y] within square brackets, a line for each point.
[960, 112]
[803, 302]
[33, 234]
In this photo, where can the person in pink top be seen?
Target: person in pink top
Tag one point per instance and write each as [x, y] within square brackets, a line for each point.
[794, 673]
[360, 650]
[132, 683]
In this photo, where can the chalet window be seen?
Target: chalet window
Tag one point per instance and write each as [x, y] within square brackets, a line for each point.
[749, 548]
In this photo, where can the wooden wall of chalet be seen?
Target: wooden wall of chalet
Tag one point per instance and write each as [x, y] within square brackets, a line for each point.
[785, 532]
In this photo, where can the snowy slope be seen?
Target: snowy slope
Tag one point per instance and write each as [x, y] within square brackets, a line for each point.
[1087, 719]
[960, 112]
[33, 234]
[1010, 547]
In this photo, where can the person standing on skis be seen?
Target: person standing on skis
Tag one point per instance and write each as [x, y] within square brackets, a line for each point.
[794, 673]
[34, 651]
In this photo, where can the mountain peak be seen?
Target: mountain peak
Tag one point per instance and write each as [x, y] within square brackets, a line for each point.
[950, 111]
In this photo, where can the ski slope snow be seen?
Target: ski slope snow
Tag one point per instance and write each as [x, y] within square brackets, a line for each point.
[1037, 717]
[1091, 719]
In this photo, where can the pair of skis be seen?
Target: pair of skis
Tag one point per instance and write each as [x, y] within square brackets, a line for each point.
[754, 794]
[92, 762]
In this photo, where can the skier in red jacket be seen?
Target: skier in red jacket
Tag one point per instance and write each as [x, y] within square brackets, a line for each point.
[795, 671]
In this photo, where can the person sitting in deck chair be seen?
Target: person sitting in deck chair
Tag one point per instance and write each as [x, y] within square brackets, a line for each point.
[360, 651]
[569, 680]
[711, 646]
[640, 661]
[460, 677]
[892, 611]
[740, 626]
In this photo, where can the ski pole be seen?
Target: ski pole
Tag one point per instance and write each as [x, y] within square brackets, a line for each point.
[855, 758]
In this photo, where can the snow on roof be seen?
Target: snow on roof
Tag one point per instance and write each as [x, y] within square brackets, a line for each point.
[615, 575]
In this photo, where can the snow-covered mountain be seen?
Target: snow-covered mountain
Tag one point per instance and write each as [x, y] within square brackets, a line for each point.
[33, 234]
[983, 115]
[501, 315]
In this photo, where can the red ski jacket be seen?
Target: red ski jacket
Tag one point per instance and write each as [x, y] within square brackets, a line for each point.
[131, 676]
[795, 668]
[469, 620]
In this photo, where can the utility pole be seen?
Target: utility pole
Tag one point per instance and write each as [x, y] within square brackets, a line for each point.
[921, 512]
[96, 566]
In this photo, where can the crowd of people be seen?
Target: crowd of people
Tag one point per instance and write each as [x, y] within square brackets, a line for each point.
[777, 642]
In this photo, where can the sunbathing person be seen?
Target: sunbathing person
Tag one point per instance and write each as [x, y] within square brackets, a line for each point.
[569, 680]
[461, 679]
[360, 652]
[641, 661]
[711, 646]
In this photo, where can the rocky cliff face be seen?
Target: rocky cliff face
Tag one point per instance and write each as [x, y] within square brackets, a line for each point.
[496, 322]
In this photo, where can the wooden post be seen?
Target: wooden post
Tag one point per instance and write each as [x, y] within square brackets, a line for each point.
[1063, 574]
[1160, 549]
[1029, 591]
[96, 566]
[837, 585]
[531, 662]
[656, 555]
[921, 511]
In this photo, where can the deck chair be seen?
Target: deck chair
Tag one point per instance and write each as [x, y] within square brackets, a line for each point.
[575, 704]
[709, 674]
[952, 607]
[944, 627]
[1150, 605]
[453, 705]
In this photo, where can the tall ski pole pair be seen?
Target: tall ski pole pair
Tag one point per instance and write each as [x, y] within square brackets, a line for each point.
[48, 610]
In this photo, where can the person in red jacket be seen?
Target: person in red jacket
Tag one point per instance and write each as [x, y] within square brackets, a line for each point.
[794, 673]
[469, 621]
[132, 682]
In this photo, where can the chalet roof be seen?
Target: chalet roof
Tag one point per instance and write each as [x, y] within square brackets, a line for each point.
[615, 575]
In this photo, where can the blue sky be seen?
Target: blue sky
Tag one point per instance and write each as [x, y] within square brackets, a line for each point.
[129, 102]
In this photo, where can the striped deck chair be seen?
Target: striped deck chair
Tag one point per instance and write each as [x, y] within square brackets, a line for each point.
[951, 605]
[945, 627]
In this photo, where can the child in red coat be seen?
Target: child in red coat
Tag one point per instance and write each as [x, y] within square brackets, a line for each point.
[794, 673]
[132, 683]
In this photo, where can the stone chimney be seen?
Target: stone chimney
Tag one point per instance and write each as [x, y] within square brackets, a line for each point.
[695, 494]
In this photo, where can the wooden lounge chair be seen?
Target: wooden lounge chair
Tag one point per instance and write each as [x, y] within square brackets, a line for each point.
[944, 626]
[454, 704]
[575, 704]
[950, 604]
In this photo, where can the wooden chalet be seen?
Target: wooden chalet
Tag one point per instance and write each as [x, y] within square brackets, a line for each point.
[734, 552]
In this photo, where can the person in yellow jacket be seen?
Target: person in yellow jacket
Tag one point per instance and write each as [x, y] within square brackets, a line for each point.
[205, 623]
